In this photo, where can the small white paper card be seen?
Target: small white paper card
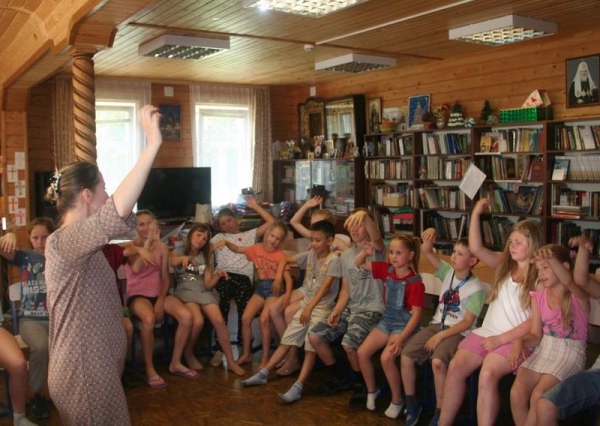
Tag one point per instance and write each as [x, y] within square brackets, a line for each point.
[13, 204]
[471, 181]
[11, 170]
[20, 217]
[20, 189]
[20, 160]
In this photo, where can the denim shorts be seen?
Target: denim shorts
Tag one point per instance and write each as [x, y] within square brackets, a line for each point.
[392, 322]
[577, 393]
[263, 289]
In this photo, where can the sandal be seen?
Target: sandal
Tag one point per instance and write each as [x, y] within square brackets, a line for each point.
[156, 383]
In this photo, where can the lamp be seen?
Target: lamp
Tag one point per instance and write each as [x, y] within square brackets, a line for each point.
[355, 62]
[182, 47]
[504, 30]
[312, 8]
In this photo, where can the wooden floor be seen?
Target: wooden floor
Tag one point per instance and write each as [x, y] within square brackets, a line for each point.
[218, 398]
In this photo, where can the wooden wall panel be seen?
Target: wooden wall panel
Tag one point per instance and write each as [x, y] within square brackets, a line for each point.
[504, 75]
[40, 133]
[176, 153]
[284, 113]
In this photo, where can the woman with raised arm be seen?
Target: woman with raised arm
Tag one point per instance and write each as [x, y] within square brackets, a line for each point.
[87, 337]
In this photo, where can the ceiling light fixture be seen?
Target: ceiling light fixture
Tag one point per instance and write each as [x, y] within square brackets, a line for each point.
[311, 8]
[183, 47]
[355, 62]
[503, 30]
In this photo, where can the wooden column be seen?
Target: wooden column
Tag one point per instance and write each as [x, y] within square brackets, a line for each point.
[84, 104]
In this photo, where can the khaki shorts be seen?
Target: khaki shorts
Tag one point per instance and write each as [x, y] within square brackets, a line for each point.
[444, 351]
[296, 334]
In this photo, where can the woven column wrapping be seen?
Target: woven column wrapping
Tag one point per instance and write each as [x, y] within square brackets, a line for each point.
[84, 109]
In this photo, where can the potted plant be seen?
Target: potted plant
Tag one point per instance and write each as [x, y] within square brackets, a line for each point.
[428, 120]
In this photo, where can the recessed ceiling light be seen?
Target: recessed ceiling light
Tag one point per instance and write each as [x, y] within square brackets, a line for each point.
[355, 62]
[183, 47]
[312, 8]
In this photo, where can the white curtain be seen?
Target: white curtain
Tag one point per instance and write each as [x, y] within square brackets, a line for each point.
[260, 120]
[139, 92]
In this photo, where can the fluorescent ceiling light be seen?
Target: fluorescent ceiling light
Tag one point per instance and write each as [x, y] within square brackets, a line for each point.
[182, 47]
[504, 30]
[355, 62]
[312, 8]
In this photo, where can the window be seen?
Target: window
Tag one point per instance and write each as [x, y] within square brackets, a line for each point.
[224, 143]
[116, 133]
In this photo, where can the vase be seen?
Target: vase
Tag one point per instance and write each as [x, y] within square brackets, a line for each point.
[440, 123]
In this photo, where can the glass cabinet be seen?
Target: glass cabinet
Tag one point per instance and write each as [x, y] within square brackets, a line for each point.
[337, 180]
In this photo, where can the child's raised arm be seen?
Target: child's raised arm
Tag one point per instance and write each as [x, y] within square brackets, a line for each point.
[476, 247]
[428, 237]
[296, 220]
[581, 275]
[233, 247]
[563, 275]
[265, 215]
[361, 258]
[362, 218]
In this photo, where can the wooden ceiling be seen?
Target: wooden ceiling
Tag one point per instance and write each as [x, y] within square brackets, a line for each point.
[267, 48]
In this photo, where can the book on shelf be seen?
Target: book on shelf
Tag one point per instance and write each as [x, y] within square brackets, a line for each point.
[464, 223]
[560, 169]
[485, 143]
[536, 169]
[523, 200]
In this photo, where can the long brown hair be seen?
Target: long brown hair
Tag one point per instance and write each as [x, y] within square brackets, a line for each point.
[187, 245]
[563, 255]
[533, 233]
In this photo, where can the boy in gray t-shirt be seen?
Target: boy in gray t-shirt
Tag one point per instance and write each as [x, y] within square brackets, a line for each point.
[359, 308]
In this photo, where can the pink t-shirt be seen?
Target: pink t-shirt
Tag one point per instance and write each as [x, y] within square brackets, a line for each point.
[266, 262]
[148, 281]
[552, 318]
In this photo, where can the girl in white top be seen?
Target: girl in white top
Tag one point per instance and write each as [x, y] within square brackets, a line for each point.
[490, 346]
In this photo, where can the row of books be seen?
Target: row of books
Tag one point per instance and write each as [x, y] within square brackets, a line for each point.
[576, 138]
[447, 228]
[562, 232]
[446, 143]
[443, 197]
[498, 168]
[510, 140]
[389, 169]
[378, 192]
[389, 146]
[437, 168]
[495, 230]
[522, 199]
[396, 221]
[576, 167]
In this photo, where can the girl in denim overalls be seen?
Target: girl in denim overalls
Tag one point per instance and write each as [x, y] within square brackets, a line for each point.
[266, 257]
[404, 297]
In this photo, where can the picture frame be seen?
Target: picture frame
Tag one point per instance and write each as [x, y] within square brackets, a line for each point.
[417, 106]
[580, 92]
[170, 122]
[373, 115]
[396, 115]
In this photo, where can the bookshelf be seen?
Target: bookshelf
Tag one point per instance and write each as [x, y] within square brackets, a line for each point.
[573, 171]
[412, 179]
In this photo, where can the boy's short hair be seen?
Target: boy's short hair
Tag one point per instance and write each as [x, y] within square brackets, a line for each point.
[325, 227]
[465, 243]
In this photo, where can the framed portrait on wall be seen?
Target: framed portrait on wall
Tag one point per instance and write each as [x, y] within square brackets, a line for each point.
[417, 106]
[583, 75]
[373, 115]
[170, 122]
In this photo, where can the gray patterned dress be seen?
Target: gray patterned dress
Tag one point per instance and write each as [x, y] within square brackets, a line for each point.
[87, 339]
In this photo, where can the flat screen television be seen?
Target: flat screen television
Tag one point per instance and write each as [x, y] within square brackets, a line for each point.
[172, 193]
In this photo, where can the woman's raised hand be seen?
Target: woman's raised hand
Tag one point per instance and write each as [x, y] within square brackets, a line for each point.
[150, 119]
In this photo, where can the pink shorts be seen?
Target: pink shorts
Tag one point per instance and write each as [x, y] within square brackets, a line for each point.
[474, 343]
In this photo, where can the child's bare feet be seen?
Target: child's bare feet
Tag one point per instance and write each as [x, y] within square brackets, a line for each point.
[193, 363]
[236, 369]
[243, 359]
[217, 359]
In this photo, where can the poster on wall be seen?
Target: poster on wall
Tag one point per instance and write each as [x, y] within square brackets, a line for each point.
[170, 122]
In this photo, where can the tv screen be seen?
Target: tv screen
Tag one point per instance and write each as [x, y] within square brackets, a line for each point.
[172, 193]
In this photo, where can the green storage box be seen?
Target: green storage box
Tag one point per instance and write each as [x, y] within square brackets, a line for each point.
[521, 115]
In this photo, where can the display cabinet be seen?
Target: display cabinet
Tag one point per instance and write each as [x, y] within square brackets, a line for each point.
[338, 180]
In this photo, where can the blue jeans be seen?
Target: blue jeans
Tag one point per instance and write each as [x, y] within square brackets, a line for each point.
[578, 393]
[263, 289]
